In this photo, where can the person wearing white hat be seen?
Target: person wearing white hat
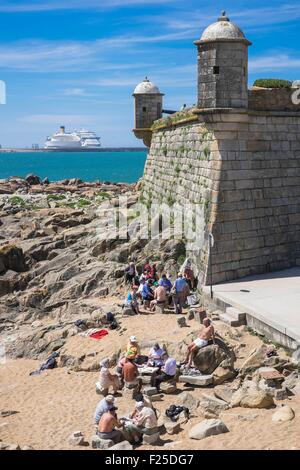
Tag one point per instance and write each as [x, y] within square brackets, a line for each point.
[102, 407]
[143, 425]
[133, 349]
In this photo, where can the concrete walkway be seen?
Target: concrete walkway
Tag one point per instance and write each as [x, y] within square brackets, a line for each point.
[273, 299]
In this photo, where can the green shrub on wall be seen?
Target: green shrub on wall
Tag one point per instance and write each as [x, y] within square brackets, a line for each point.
[272, 83]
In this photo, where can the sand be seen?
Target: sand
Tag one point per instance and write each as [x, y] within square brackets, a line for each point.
[58, 402]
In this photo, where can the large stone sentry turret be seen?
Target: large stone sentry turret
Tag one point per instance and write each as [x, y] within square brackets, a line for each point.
[223, 66]
[148, 108]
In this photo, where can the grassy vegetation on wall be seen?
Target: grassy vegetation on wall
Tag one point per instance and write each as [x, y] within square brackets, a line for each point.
[272, 83]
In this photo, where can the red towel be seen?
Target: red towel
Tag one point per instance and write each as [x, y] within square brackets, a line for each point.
[99, 334]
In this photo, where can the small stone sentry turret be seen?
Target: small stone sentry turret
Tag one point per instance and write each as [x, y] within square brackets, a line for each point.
[148, 108]
[223, 66]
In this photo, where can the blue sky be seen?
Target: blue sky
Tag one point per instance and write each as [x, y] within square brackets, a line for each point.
[76, 62]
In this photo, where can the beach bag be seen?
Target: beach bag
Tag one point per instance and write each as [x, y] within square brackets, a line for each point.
[174, 411]
[110, 317]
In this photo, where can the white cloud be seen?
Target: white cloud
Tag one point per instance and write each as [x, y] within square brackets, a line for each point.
[39, 6]
[75, 92]
[56, 56]
[68, 119]
[248, 18]
[273, 62]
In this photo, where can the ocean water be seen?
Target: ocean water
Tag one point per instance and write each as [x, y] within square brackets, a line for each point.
[126, 167]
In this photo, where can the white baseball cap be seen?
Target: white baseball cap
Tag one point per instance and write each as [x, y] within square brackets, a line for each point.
[139, 404]
[110, 398]
[133, 339]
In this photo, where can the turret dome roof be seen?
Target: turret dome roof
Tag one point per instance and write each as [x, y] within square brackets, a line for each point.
[222, 29]
[146, 87]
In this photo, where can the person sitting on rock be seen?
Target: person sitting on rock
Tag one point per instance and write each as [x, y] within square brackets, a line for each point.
[143, 422]
[147, 402]
[153, 273]
[103, 406]
[147, 294]
[155, 358]
[130, 273]
[132, 349]
[131, 301]
[160, 298]
[147, 268]
[166, 373]
[167, 284]
[130, 375]
[107, 426]
[106, 378]
[206, 335]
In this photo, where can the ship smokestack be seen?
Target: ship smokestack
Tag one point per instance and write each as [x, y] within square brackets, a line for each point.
[62, 129]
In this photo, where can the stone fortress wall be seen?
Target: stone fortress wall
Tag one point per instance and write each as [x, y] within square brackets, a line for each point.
[237, 154]
[244, 168]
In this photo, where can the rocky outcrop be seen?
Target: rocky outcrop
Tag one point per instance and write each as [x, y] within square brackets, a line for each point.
[12, 259]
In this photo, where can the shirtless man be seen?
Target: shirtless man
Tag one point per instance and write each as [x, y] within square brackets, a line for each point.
[205, 336]
[107, 426]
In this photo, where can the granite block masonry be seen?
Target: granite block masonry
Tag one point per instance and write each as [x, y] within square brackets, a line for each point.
[244, 168]
[238, 156]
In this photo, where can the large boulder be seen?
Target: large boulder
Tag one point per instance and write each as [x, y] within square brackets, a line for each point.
[222, 374]
[32, 179]
[223, 393]
[251, 398]
[189, 401]
[213, 405]
[255, 360]
[208, 427]
[283, 414]
[292, 383]
[209, 358]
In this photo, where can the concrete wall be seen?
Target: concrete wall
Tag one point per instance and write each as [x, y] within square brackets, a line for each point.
[229, 87]
[244, 167]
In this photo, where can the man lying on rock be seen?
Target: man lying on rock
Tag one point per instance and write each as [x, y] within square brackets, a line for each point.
[206, 335]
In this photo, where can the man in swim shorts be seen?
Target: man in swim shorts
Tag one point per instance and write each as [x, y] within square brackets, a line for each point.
[207, 334]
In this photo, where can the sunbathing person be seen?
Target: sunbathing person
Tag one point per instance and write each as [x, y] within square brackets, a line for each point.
[107, 426]
[106, 378]
[206, 335]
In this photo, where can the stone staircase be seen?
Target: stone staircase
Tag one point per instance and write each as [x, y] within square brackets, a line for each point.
[233, 317]
[226, 313]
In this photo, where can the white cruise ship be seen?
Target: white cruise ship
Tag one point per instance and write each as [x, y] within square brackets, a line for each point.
[77, 140]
